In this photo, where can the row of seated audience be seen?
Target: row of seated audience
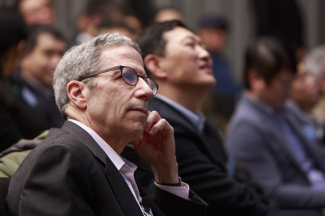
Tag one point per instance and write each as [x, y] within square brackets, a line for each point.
[274, 165]
[265, 134]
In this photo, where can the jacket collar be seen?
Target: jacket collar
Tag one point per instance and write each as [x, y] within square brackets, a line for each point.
[114, 178]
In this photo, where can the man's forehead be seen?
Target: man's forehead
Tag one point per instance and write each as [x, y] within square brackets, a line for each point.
[122, 55]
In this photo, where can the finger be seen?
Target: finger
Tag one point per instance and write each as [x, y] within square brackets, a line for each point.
[162, 124]
[152, 119]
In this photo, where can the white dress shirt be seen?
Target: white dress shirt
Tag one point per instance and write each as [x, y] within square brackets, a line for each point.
[127, 169]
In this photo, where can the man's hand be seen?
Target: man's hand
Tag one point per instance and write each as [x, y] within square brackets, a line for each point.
[157, 146]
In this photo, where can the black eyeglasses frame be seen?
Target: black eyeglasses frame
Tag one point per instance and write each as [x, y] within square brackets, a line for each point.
[120, 67]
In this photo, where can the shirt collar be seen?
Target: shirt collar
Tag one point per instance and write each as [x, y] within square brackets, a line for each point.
[111, 154]
[47, 92]
[197, 118]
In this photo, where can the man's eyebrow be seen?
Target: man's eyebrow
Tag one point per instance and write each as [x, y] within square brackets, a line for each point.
[193, 38]
[188, 37]
[141, 73]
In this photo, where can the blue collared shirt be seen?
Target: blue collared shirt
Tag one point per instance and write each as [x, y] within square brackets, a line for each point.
[197, 118]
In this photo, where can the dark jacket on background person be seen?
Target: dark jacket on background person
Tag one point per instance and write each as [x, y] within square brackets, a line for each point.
[40, 104]
[9, 131]
[202, 164]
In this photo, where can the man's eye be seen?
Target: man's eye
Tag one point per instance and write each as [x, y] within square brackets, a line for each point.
[191, 44]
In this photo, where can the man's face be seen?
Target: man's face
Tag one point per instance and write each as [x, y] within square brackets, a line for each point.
[115, 108]
[277, 91]
[305, 89]
[214, 39]
[37, 12]
[43, 59]
[186, 61]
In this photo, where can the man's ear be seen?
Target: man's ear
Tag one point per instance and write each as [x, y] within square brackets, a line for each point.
[153, 64]
[256, 82]
[77, 93]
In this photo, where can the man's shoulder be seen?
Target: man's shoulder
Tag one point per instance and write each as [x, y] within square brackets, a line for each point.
[246, 111]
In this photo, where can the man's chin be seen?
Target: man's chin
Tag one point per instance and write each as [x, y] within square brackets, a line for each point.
[137, 129]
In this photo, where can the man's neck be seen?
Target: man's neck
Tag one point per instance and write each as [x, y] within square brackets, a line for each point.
[187, 99]
[117, 143]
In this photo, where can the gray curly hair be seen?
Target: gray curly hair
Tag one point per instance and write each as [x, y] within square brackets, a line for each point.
[82, 60]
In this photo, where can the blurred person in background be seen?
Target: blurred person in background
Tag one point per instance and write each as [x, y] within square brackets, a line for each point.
[264, 135]
[120, 27]
[12, 43]
[213, 30]
[135, 24]
[220, 104]
[305, 93]
[168, 14]
[33, 84]
[315, 62]
[37, 11]
[97, 11]
[176, 59]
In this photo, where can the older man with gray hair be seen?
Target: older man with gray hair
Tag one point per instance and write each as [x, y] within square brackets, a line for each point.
[102, 91]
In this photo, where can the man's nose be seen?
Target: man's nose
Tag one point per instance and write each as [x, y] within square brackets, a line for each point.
[143, 90]
[203, 53]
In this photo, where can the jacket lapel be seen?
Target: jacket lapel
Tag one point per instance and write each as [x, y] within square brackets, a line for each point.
[173, 115]
[307, 145]
[114, 178]
[121, 190]
[148, 202]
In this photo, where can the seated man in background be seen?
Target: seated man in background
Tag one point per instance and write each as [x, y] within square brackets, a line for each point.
[305, 93]
[102, 90]
[33, 84]
[315, 63]
[213, 30]
[36, 12]
[177, 60]
[265, 135]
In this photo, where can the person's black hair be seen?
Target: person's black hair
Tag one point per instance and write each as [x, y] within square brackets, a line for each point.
[12, 29]
[35, 31]
[151, 40]
[267, 57]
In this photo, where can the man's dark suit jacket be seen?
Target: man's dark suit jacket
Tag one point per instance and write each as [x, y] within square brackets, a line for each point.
[201, 163]
[69, 174]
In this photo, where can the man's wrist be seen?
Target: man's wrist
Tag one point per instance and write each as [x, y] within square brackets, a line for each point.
[166, 174]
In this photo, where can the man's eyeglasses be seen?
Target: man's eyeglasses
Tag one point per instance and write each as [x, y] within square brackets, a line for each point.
[129, 75]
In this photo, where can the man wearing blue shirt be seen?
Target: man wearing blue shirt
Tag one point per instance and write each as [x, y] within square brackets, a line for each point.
[182, 67]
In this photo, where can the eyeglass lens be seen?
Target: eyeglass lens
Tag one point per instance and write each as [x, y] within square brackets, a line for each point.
[131, 78]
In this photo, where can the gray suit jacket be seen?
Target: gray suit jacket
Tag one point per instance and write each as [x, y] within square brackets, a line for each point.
[69, 174]
[255, 139]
